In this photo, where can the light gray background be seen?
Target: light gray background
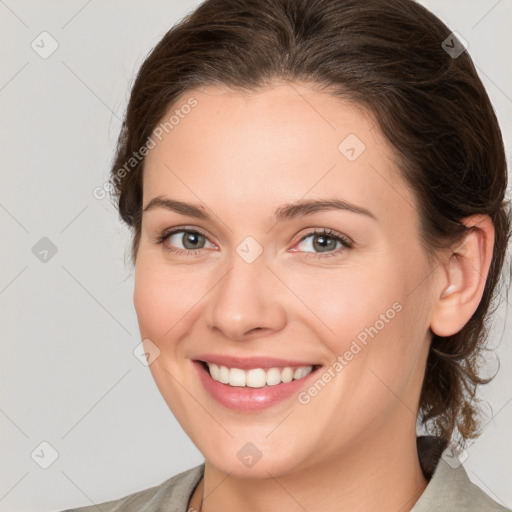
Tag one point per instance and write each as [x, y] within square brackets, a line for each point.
[68, 373]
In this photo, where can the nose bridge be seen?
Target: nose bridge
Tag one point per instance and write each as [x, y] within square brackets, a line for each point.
[243, 299]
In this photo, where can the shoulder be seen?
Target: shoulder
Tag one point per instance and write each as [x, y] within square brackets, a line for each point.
[173, 494]
[450, 488]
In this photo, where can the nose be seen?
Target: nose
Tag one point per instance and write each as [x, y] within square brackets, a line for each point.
[246, 302]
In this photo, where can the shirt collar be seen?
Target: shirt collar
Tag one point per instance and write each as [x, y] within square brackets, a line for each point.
[449, 488]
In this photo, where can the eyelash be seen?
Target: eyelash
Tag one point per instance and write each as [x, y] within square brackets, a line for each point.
[346, 242]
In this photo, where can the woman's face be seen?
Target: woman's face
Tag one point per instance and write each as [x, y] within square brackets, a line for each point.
[257, 283]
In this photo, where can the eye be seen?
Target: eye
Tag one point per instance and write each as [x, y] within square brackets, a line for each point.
[324, 241]
[183, 241]
[318, 243]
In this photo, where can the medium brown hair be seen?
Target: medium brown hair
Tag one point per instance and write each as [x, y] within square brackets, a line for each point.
[388, 56]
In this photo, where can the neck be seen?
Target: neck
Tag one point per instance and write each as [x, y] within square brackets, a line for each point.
[381, 473]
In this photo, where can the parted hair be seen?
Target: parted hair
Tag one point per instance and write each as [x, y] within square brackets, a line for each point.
[393, 58]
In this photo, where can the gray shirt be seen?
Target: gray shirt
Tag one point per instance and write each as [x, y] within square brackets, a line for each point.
[449, 488]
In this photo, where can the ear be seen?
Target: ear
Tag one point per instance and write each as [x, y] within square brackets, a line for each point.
[463, 275]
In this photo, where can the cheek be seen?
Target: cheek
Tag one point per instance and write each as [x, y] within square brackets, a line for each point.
[164, 300]
[368, 320]
[382, 358]
[345, 304]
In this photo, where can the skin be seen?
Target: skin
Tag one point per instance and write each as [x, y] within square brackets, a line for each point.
[242, 155]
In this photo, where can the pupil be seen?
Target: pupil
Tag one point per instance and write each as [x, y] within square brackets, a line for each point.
[192, 239]
[324, 242]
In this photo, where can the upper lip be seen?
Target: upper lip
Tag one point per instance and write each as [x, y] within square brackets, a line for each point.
[246, 363]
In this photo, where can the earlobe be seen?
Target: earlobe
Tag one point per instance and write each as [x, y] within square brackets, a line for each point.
[463, 278]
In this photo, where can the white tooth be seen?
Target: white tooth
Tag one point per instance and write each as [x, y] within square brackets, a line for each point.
[256, 378]
[306, 370]
[214, 371]
[236, 377]
[287, 374]
[298, 373]
[224, 374]
[273, 376]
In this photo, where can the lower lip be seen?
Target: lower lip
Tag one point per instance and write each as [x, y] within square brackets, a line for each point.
[246, 398]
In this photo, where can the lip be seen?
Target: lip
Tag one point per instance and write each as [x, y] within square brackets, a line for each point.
[246, 398]
[247, 363]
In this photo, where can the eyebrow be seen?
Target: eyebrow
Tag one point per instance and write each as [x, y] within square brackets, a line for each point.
[301, 208]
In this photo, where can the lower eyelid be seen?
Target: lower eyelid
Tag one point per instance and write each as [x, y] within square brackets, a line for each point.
[311, 254]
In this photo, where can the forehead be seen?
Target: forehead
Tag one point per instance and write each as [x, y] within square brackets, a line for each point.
[280, 143]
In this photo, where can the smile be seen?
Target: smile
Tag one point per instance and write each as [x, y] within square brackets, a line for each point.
[256, 377]
[260, 385]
